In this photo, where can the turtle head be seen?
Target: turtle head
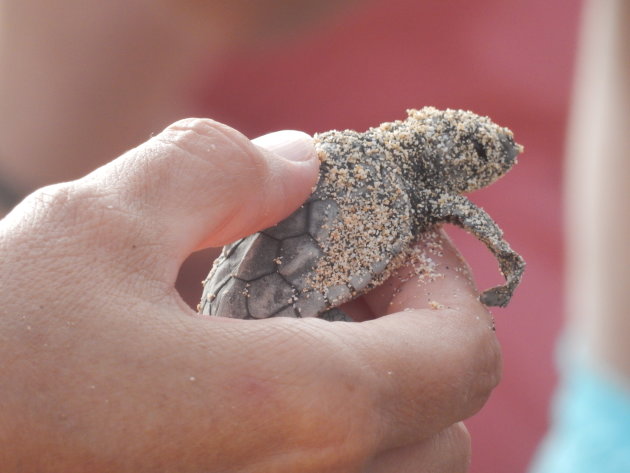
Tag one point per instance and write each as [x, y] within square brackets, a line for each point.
[461, 151]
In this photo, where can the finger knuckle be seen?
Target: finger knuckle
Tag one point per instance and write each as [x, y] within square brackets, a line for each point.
[202, 137]
[197, 147]
[189, 133]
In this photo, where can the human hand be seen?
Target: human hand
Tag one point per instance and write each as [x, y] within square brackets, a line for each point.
[104, 368]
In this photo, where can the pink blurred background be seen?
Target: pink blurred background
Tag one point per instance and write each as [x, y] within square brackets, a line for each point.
[511, 60]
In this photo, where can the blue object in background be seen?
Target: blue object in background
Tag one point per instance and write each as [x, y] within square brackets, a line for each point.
[590, 430]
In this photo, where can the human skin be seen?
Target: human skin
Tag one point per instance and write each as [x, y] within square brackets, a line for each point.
[597, 191]
[106, 369]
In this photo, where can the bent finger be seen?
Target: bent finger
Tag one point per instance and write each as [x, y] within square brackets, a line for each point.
[427, 369]
[203, 183]
[436, 359]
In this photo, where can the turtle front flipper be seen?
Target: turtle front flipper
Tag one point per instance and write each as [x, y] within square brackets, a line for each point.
[458, 210]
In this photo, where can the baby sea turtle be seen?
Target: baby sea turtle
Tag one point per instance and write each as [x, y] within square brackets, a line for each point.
[378, 192]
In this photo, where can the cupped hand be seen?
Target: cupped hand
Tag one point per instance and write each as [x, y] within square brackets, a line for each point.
[104, 368]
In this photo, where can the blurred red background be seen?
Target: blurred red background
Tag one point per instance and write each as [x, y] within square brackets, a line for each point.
[510, 60]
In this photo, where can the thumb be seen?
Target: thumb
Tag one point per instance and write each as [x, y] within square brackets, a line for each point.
[201, 183]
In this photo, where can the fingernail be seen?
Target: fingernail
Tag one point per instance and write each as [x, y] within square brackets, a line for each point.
[289, 144]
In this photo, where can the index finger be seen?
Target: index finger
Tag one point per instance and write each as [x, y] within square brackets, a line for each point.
[435, 360]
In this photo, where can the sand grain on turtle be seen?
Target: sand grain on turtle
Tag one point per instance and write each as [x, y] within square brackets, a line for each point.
[378, 192]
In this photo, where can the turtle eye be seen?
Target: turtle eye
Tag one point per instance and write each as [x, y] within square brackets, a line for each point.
[480, 150]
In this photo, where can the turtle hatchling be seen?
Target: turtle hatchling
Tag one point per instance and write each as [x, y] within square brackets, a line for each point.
[378, 192]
